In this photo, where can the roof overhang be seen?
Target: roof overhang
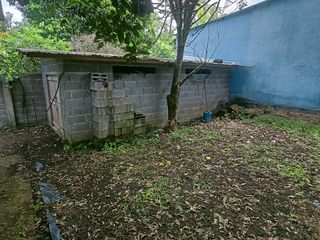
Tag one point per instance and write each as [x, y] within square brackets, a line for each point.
[89, 56]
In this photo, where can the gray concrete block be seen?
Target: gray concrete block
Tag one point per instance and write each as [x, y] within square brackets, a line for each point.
[142, 83]
[79, 136]
[75, 119]
[154, 77]
[118, 93]
[123, 116]
[100, 111]
[77, 103]
[140, 130]
[140, 123]
[79, 93]
[146, 104]
[130, 84]
[98, 86]
[148, 90]
[100, 103]
[77, 127]
[165, 84]
[148, 97]
[100, 134]
[73, 85]
[103, 126]
[117, 132]
[100, 118]
[118, 84]
[147, 110]
[124, 124]
[132, 91]
[84, 78]
[100, 94]
[157, 122]
[134, 99]
[124, 108]
[66, 94]
[127, 131]
[120, 101]
[88, 117]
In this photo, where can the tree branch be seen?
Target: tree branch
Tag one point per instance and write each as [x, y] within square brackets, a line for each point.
[185, 78]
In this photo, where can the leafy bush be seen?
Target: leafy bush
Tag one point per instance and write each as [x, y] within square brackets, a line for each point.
[12, 65]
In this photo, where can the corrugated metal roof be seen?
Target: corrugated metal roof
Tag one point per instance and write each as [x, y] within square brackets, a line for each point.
[90, 56]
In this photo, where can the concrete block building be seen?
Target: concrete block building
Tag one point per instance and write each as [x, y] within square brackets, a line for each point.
[91, 94]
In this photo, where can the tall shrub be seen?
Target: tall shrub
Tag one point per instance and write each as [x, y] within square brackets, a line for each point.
[12, 65]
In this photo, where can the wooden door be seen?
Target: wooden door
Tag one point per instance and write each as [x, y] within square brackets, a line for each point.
[54, 100]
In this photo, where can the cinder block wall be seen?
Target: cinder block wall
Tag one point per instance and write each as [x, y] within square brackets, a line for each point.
[76, 102]
[147, 92]
[76, 106]
[131, 95]
[3, 112]
[29, 101]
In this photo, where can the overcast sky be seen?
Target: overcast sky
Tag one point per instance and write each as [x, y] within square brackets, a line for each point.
[18, 17]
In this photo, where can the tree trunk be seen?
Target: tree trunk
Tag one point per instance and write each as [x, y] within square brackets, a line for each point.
[173, 103]
[173, 97]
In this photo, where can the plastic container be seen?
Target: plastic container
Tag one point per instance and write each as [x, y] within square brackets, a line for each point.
[207, 117]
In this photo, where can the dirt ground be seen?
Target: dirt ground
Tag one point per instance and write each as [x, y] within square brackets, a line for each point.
[230, 179]
[17, 213]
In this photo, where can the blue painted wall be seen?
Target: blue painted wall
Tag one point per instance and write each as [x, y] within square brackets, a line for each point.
[281, 39]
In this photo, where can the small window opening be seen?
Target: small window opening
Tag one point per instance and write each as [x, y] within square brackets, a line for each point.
[130, 70]
[200, 71]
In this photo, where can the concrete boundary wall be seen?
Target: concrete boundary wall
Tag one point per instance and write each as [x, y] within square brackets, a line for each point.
[280, 39]
[29, 102]
[3, 111]
[22, 104]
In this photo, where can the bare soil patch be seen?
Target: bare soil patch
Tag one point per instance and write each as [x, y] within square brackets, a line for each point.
[16, 204]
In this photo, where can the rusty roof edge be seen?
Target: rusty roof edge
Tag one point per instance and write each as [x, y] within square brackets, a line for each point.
[42, 53]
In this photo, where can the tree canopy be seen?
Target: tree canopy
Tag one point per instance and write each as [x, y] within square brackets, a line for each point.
[124, 22]
[12, 65]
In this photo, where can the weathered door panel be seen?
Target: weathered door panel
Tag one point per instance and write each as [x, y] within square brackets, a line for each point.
[54, 100]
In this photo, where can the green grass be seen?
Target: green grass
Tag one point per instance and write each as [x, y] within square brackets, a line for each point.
[209, 135]
[263, 157]
[295, 172]
[158, 195]
[139, 143]
[201, 185]
[115, 147]
[183, 133]
[288, 125]
[260, 156]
